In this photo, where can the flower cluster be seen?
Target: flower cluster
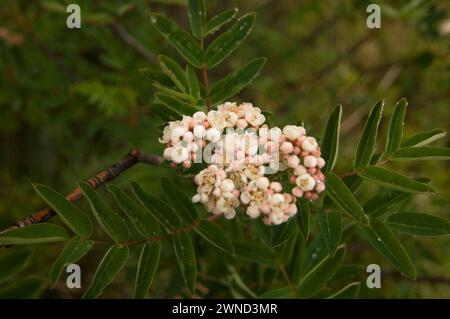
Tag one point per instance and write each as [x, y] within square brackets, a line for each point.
[241, 150]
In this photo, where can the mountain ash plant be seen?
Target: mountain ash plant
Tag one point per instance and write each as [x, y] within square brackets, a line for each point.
[256, 194]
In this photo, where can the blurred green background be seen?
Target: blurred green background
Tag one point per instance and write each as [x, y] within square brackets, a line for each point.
[73, 101]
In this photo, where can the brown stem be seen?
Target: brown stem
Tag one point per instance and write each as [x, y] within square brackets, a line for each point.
[132, 158]
[205, 80]
[285, 275]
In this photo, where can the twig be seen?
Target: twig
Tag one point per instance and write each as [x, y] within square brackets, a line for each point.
[132, 158]
[126, 37]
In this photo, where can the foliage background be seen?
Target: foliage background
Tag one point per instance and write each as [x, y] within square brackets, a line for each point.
[73, 101]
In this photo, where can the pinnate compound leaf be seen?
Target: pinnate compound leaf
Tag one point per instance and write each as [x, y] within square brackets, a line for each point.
[110, 222]
[70, 214]
[418, 224]
[171, 68]
[384, 240]
[147, 266]
[72, 252]
[187, 261]
[34, 234]
[111, 264]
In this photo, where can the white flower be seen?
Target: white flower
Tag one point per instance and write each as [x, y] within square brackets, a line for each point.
[230, 119]
[276, 199]
[310, 161]
[246, 198]
[199, 131]
[212, 135]
[253, 211]
[227, 185]
[217, 119]
[292, 132]
[309, 144]
[199, 117]
[262, 183]
[293, 161]
[306, 182]
[179, 154]
[196, 198]
[168, 153]
[253, 115]
[300, 170]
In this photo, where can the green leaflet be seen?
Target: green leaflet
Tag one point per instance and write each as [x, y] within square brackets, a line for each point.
[215, 236]
[72, 252]
[393, 180]
[219, 20]
[70, 214]
[377, 205]
[162, 212]
[280, 293]
[110, 222]
[30, 287]
[234, 82]
[418, 224]
[282, 233]
[187, 262]
[146, 269]
[141, 219]
[111, 264]
[182, 96]
[330, 140]
[421, 153]
[229, 41]
[179, 39]
[368, 138]
[348, 292]
[180, 202]
[194, 89]
[255, 252]
[344, 198]
[34, 234]
[156, 75]
[178, 105]
[303, 216]
[171, 68]
[318, 276]
[383, 240]
[395, 133]
[425, 138]
[331, 228]
[197, 17]
[14, 262]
